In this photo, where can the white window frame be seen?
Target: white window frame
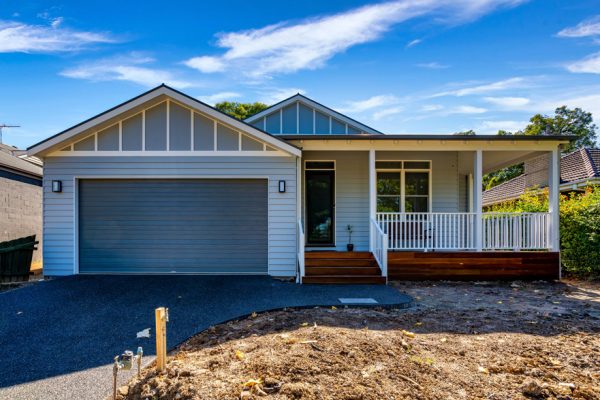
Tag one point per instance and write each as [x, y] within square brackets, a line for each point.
[402, 171]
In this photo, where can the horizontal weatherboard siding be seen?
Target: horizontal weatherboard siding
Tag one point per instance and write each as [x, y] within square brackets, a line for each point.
[352, 195]
[60, 208]
[352, 188]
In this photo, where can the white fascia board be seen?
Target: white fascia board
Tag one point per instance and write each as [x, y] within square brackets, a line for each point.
[347, 144]
[160, 91]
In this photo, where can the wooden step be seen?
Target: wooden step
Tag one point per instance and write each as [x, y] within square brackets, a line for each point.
[343, 262]
[345, 279]
[338, 254]
[327, 270]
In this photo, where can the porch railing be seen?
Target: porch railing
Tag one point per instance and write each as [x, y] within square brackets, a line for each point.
[456, 231]
[301, 241]
[428, 231]
[379, 241]
[516, 231]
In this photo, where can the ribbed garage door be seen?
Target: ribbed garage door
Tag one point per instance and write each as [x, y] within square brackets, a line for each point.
[173, 226]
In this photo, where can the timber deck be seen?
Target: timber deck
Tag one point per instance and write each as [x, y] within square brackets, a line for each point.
[360, 267]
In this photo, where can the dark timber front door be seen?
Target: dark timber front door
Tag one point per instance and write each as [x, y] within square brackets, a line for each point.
[320, 197]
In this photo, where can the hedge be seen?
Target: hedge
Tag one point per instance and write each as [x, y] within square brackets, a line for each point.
[579, 227]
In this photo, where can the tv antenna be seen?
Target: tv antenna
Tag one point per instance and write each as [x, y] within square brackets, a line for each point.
[2, 126]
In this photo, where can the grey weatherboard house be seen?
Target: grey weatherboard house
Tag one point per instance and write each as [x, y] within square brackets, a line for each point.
[164, 183]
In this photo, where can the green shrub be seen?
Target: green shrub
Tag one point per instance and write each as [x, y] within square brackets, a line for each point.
[579, 227]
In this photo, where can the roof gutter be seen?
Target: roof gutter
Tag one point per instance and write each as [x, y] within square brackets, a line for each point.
[507, 138]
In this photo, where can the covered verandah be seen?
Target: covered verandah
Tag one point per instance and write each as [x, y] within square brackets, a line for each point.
[415, 205]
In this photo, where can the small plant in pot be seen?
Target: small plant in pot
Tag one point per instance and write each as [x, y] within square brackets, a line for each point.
[349, 246]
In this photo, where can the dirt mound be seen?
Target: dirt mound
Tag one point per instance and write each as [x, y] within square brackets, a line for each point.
[426, 353]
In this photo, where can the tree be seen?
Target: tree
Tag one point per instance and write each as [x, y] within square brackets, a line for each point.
[470, 132]
[495, 178]
[240, 110]
[566, 121]
[504, 133]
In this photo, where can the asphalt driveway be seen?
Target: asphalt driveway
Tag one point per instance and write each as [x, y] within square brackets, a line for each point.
[58, 337]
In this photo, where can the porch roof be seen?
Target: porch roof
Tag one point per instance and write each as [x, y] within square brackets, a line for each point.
[500, 151]
[507, 138]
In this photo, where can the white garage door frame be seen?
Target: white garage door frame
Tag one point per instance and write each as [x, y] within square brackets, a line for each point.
[76, 180]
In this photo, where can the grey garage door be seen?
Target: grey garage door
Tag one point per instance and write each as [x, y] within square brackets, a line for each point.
[166, 226]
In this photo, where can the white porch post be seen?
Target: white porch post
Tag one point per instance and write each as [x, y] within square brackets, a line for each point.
[477, 199]
[372, 196]
[553, 199]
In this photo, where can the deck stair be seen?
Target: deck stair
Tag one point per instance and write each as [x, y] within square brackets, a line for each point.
[328, 267]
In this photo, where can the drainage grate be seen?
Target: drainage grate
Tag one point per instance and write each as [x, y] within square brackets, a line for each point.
[358, 300]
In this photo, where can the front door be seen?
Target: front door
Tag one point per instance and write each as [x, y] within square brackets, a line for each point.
[320, 207]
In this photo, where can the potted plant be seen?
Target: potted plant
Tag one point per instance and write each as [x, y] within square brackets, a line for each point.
[349, 246]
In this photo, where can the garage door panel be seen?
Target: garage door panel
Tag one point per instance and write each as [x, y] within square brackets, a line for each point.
[165, 226]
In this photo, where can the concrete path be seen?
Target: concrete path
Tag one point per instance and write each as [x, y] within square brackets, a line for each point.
[58, 337]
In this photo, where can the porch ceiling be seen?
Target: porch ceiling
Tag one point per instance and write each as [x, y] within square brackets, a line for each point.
[495, 160]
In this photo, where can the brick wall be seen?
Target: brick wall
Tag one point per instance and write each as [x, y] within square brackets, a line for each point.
[21, 212]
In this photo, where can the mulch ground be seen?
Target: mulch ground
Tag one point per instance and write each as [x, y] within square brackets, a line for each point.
[461, 341]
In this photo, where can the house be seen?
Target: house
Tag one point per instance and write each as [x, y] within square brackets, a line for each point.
[578, 170]
[20, 197]
[166, 184]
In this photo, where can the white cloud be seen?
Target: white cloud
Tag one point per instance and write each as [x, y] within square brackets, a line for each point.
[206, 64]
[368, 104]
[589, 27]
[466, 110]
[16, 37]
[309, 44]
[387, 112]
[492, 127]
[433, 65]
[275, 95]
[511, 83]
[218, 97]
[130, 68]
[587, 102]
[432, 107]
[56, 22]
[590, 65]
[413, 43]
[508, 102]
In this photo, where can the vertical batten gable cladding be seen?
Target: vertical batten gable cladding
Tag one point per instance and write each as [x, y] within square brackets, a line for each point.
[299, 115]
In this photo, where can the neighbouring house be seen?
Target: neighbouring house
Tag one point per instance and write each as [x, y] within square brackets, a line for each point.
[165, 184]
[578, 170]
[20, 197]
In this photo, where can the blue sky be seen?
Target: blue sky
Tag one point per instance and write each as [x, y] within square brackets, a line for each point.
[405, 66]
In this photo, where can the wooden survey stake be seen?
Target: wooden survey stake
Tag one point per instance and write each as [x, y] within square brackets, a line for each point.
[161, 315]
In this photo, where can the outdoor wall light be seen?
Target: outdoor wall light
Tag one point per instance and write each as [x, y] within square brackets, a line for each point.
[56, 186]
[281, 186]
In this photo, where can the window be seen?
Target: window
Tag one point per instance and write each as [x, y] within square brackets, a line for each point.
[416, 191]
[388, 192]
[403, 186]
[320, 165]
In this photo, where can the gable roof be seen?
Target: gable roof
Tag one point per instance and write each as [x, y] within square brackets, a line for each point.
[312, 103]
[10, 160]
[580, 164]
[56, 140]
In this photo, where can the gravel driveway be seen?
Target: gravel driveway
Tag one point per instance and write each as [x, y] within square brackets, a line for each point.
[58, 337]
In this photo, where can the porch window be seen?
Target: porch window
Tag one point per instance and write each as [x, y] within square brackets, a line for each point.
[403, 186]
[416, 187]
